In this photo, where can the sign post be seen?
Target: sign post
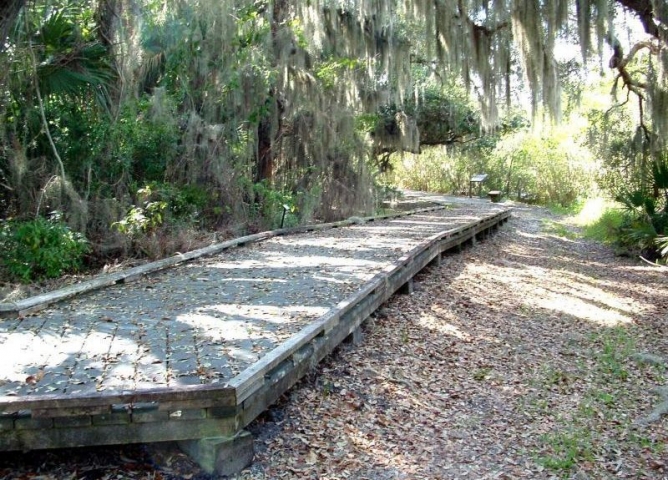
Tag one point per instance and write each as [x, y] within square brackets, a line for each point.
[477, 178]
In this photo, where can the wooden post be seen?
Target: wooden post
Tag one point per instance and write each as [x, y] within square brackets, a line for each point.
[407, 288]
[356, 337]
[225, 456]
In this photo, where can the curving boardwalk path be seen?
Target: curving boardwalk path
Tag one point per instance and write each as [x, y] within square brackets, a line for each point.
[218, 329]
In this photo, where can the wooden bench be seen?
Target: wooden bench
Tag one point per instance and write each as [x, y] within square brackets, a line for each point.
[494, 196]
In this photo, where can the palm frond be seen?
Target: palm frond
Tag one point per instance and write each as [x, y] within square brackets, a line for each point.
[68, 64]
[660, 174]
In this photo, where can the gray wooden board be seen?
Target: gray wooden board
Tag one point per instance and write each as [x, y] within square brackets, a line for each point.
[251, 379]
[308, 345]
[35, 439]
[143, 373]
[70, 405]
[249, 376]
[37, 302]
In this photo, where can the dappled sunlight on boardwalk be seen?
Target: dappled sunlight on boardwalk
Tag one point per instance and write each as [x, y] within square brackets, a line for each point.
[205, 321]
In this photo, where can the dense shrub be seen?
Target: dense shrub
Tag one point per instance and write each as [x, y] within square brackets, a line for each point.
[37, 249]
[159, 203]
[549, 170]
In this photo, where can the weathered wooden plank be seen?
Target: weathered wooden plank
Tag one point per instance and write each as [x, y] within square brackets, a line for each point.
[251, 380]
[271, 391]
[104, 280]
[286, 374]
[67, 437]
[417, 258]
[6, 423]
[32, 304]
[150, 416]
[38, 302]
[196, 414]
[112, 418]
[78, 421]
[259, 385]
[28, 423]
[70, 412]
[247, 381]
[323, 346]
[176, 396]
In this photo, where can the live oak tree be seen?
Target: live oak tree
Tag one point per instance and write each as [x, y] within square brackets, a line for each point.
[262, 102]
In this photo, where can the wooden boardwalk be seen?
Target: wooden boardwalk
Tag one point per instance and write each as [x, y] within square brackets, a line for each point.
[198, 345]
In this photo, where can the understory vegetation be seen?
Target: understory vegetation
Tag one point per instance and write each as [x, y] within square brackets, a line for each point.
[136, 127]
[629, 230]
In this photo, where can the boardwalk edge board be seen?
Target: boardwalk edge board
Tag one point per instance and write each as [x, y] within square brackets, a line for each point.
[382, 285]
[38, 302]
[199, 411]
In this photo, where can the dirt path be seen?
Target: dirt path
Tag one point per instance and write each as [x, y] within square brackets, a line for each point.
[512, 360]
[524, 357]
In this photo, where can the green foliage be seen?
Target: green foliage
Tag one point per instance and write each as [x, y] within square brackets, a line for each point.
[626, 223]
[329, 71]
[567, 449]
[522, 165]
[137, 147]
[635, 173]
[72, 61]
[638, 233]
[274, 207]
[574, 208]
[55, 46]
[160, 204]
[168, 94]
[366, 122]
[444, 115]
[187, 202]
[559, 230]
[548, 169]
[616, 347]
[434, 170]
[37, 249]
[646, 221]
[142, 220]
[606, 227]
[481, 373]
[662, 245]
[603, 397]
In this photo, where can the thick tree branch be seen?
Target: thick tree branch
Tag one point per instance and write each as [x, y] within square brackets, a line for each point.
[619, 62]
[618, 105]
[479, 29]
[643, 9]
[635, 49]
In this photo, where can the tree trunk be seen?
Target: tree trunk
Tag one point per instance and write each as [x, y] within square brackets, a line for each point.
[107, 15]
[270, 129]
[265, 156]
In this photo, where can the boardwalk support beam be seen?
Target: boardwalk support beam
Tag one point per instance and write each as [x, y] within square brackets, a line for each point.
[224, 456]
[356, 337]
[407, 288]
